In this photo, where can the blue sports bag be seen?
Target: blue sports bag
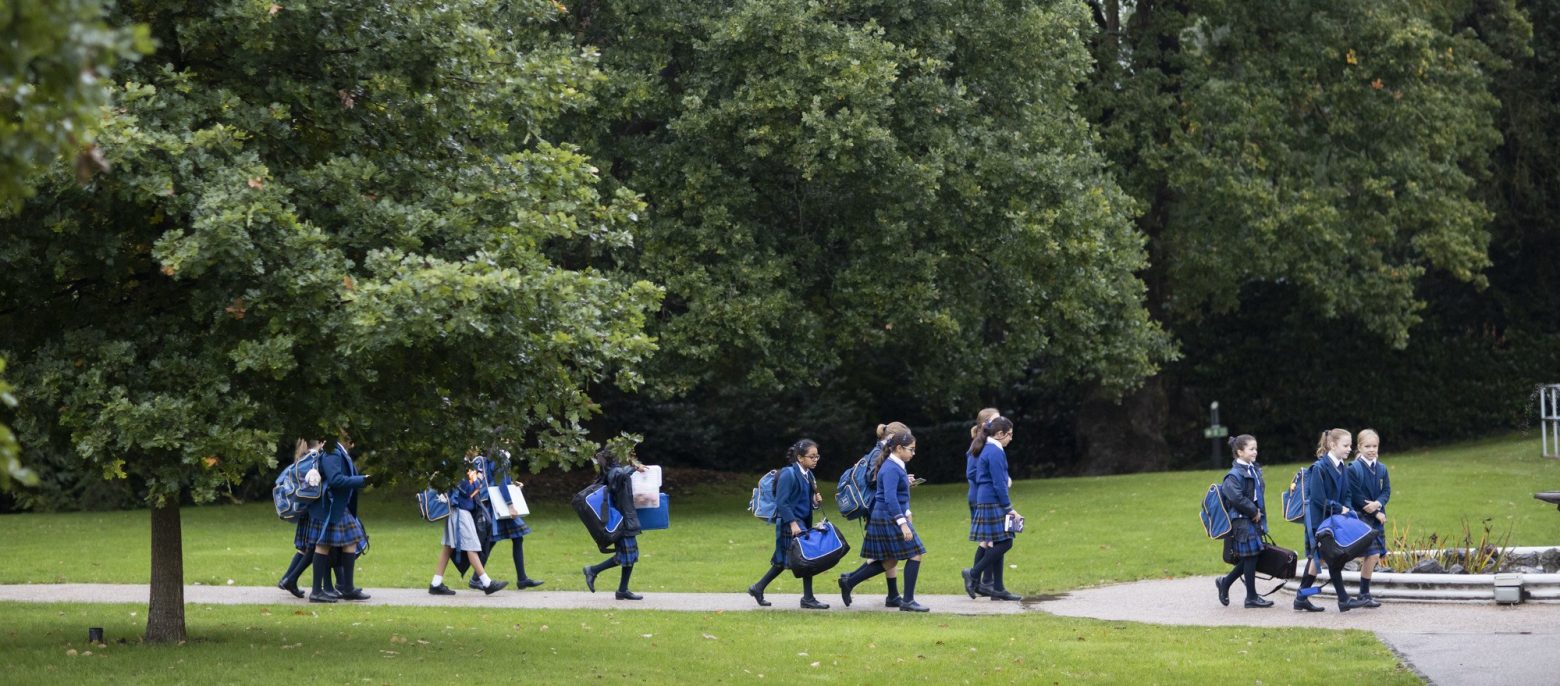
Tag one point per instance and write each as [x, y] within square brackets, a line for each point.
[816, 551]
[600, 518]
[1341, 538]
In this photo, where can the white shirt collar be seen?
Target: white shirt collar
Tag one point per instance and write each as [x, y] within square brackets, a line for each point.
[802, 469]
[1334, 460]
[896, 460]
[993, 441]
[1368, 462]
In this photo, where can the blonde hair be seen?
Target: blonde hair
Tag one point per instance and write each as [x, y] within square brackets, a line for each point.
[982, 417]
[891, 428]
[1329, 438]
[1360, 437]
[303, 447]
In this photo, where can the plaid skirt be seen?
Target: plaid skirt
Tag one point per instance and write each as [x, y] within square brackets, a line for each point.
[341, 533]
[508, 529]
[627, 551]
[988, 522]
[301, 535]
[885, 542]
[1245, 540]
[783, 541]
[1379, 545]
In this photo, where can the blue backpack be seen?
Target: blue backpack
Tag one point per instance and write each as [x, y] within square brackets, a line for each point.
[762, 504]
[1294, 498]
[1215, 516]
[292, 493]
[854, 492]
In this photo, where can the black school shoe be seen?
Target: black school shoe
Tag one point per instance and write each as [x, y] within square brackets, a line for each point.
[355, 594]
[590, 579]
[527, 583]
[291, 586]
[322, 597]
[494, 587]
[813, 604]
[1259, 601]
[913, 606]
[969, 583]
[1224, 591]
[1306, 605]
[759, 596]
[1369, 600]
[1346, 604]
[845, 588]
[1004, 594]
[893, 601]
[441, 589]
[629, 595]
[474, 583]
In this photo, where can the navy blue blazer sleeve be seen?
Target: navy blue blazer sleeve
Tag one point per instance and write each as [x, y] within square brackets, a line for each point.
[1357, 477]
[791, 497]
[993, 459]
[335, 472]
[1234, 493]
[1386, 486]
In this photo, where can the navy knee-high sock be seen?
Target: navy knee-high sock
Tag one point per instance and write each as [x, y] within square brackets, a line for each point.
[864, 572]
[993, 558]
[299, 563]
[321, 571]
[344, 572]
[807, 587]
[1337, 581]
[997, 570]
[1248, 570]
[604, 565]
[628, 571]
[1235, 572]
[333, 566]
[518, 553]
[893, 587]
[912, 568]
[774, 571]
[980, 554]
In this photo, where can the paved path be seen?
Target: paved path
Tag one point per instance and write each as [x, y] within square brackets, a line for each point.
[871, 600]
[1448, 643]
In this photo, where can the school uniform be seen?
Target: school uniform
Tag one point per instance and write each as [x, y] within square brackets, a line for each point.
[333, 518]
[794, 489]
[500, 529]
[460, 528]
[988, 518]
[890, 507]
[1243, 493]
[1369, 481]
[625, 553]
[1327, 494]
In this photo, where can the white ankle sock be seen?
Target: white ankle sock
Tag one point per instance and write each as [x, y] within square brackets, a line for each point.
[486, 581]
[437, 579]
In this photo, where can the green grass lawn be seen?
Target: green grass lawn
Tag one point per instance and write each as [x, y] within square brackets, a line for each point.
[1083, 531]
[394, 645]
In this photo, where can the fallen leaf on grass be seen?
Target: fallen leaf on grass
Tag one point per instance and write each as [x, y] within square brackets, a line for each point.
[815, 664]
[71, 652]
[646, 635]
[711, 637]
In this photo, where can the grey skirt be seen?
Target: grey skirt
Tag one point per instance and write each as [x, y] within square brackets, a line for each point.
[460, 531]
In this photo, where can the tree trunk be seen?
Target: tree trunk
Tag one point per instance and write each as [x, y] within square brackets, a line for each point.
[1123, 435]
[165, 613]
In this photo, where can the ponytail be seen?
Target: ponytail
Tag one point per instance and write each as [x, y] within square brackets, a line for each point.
[301, 450]
[798, 449]
[1328, 438]
[887, 445]
[991, 427]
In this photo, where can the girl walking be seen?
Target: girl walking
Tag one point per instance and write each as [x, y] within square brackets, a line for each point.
[796, 494]
[872, 568]
[992, 508]
[460, 534]
[334, 526]
[1370, 488]
[1243, 492]
[303, 557]
[970, 461]
[891, 537]
[616, 478]
[1326, 494]
[512, 528]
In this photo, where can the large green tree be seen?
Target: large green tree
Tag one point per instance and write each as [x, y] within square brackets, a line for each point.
[860, 207]
[337, 216]
[1332, 148]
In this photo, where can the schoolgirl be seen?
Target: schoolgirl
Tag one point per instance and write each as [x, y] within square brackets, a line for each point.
[872, 568]
[504, 529]
[616, 477]
[1243, 492]
[982, 547]
[992, 508]
[1327, 494]
[334, 526]
[891, 536]
[303, 557]
[1369, 489]
[460, 533]
[796, 495]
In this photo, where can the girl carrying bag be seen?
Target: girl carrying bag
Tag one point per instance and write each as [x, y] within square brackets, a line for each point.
[816, 551]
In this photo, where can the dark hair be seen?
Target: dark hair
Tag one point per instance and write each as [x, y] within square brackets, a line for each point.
[605, 460]
[1239, 442]
[992, 427]
[798, 449]
[887, 445]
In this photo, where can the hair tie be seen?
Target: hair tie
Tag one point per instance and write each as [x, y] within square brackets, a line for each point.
[989, 421]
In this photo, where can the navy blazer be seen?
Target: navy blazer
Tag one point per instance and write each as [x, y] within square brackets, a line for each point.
[1243, 490]
[794, 489]
[620, 488]
[1366, 484]
[1326, 492]
[969, 473]
[341, 481]
[991, 476]
[891, 500]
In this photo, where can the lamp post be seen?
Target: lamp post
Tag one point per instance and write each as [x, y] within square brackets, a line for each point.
[1215, 433]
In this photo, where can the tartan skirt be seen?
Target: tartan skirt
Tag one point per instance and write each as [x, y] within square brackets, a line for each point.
[508, 529]
[627, 551]
[1245, 540]
[783, 541]
[339, 534]
[988, 522]
[885, 542]
[1379, 545]
[301, 535]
